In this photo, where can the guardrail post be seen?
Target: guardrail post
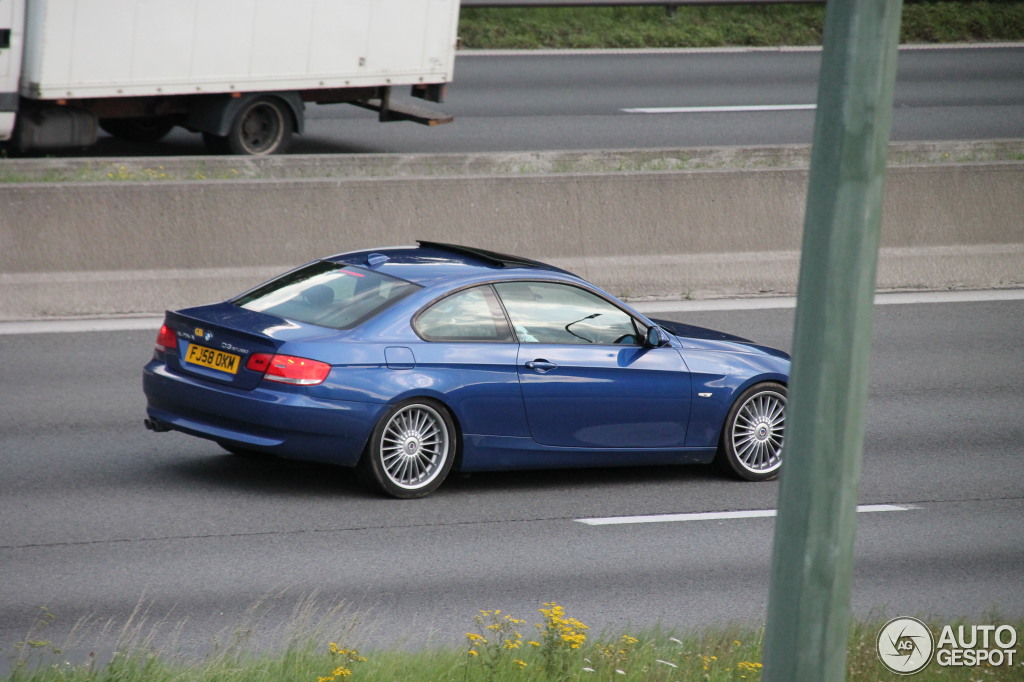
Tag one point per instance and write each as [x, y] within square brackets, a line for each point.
[812, 561]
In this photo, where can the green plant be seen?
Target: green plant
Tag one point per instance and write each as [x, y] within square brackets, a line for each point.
[491, 648]
[559, 637]
[342, 666]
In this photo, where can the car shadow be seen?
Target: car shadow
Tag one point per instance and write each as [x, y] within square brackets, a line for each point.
[590, 479]
[274, 476]
[270, 475]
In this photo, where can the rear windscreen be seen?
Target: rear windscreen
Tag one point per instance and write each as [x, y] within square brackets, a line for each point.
[327, 294]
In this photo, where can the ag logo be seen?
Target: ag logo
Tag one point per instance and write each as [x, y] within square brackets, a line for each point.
[905, 645]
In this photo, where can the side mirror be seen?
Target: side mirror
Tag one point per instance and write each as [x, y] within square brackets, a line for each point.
[656, 338]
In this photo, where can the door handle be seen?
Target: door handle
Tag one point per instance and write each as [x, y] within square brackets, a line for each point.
[541, 365]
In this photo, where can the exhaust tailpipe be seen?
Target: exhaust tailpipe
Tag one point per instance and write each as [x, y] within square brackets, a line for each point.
[155, 425]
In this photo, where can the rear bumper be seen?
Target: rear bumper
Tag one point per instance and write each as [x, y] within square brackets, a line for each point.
[285, 422]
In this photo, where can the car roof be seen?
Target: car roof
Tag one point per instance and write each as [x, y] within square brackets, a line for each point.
[432, 262]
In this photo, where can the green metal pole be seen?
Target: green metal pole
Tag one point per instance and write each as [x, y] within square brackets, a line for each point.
[809, 598]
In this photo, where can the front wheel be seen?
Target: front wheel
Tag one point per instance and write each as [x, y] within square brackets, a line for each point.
[752, 437]
[411, 451]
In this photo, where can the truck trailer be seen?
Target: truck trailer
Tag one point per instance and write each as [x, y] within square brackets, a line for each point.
[240, 72]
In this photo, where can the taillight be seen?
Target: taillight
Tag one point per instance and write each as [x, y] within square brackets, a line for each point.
[288, 369]
[166, 339]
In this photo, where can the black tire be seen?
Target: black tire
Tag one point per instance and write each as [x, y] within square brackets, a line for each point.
[216, 144]
[411, 451]
[138, 129]
[263, 126]
[753, 433]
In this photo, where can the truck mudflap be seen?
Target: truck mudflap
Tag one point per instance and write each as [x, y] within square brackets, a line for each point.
[389, 110]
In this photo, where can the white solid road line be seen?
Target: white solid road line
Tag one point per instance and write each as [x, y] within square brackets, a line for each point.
[721, 109]
[719, 516]
[625, 52]
[113, 324]
[782, 302]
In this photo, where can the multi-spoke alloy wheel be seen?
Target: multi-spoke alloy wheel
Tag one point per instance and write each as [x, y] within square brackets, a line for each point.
[411, 451]
[754, 432]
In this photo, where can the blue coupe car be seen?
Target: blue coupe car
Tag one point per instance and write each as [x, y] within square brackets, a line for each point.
[406, 363]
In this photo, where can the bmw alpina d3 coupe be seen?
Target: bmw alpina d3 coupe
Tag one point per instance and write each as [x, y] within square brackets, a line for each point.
[406, 363]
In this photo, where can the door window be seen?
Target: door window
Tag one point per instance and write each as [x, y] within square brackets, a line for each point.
[549, 312]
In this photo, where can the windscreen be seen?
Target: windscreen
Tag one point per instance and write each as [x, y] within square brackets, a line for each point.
[327, 294]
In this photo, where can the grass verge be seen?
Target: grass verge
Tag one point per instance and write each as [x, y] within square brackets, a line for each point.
[498, 648]
[722, 25]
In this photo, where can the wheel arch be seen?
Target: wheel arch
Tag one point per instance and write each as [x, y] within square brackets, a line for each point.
[215, 114]
[429, 396]
[768, 378]
[735, 462]
[414, 463]
[740, 389]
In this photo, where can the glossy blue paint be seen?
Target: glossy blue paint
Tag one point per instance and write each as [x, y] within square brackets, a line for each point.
[515, 404]
[281, 419]
[605, 396]
[502, 453]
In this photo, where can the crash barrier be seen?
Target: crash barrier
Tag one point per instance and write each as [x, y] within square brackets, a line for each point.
[104, 248]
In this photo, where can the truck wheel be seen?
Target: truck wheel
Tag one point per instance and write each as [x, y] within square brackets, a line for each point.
[263, 126]
[137, 129]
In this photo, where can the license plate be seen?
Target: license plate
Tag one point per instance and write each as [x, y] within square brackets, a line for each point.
[214, 359]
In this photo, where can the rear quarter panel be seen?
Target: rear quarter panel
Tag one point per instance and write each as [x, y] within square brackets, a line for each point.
[476, 381]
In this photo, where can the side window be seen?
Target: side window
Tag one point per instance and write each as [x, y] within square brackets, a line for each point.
[468, 315]
[547, 312]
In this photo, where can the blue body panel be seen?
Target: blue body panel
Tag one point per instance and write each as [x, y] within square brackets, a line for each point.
[597, 405]
[606, 396]
[285, 422]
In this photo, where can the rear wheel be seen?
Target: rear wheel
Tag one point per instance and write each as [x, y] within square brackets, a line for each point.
[261, 127]
[411, 451]
[752, 438]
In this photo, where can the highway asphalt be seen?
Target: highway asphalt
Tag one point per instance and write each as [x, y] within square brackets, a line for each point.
[100, 515]
[531, 101]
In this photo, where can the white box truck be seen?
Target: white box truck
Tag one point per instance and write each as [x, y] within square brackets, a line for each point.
[238, 71]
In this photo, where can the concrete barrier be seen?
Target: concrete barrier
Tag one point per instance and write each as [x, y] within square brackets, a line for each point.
[70, 249]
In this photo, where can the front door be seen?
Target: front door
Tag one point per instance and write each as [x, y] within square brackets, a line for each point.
[588, 380]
